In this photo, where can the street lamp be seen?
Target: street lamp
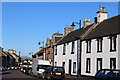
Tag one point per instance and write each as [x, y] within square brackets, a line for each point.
[40, 43]
[31, 53]
[79, 23]
[44, 51]
[78, 55]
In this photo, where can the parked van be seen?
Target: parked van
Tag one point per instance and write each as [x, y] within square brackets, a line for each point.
[39, 66]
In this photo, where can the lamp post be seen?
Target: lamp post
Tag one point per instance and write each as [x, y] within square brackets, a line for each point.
[42, 43]
[79, 49]
[43, 49]
[79, 23]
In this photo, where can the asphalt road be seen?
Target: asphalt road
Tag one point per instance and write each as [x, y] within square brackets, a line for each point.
[18, 75]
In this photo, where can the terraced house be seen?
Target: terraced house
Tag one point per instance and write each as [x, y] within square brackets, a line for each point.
[101, 46]
[95, 46]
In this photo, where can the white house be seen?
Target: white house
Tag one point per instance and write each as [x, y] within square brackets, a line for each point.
[100, 46]
[67, 50]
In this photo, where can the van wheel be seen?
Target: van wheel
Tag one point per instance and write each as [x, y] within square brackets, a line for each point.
[32, 74]
[43, 76]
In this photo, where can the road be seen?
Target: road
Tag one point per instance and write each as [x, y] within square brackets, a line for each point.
[18, 75]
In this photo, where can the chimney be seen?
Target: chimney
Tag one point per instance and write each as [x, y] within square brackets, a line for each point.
[68, 29]
[95, 20]
[101, 14]
[86, 22]
[1, 49]
[41, 48]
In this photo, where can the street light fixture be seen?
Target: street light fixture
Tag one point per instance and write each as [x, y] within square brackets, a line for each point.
[40, 43]
[44, 50]
[79, 23]
[78, 55]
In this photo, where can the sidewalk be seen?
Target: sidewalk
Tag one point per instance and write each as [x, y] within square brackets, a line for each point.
[80, 77]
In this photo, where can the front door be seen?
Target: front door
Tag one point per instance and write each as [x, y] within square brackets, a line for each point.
[70, 62]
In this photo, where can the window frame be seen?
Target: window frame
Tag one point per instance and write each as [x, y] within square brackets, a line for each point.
[99, 59]
[88, 46]
[99, 44]
[114, 60]
[113, 43]
[73, 47]
[88, 63]
[55, 50]
[64, 48]
[74, 67]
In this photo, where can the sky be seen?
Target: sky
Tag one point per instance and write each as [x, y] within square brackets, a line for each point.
[24, 24]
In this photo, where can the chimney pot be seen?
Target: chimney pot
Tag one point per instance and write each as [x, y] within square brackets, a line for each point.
[88, 19]
[84, 19]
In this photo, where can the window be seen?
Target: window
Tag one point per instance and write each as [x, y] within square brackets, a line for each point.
[55, 50]
[99, 63]
[74, 67]
[63, 64]
[64, 49]
[88, 46]
[55, 63]
[73, 47]
[112, 63]
[88, 65]
[113, 43]
[99, 45]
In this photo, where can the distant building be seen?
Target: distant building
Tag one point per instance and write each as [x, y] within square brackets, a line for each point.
[15, 56]
[50, 46]
[47, 53]
[3, 58]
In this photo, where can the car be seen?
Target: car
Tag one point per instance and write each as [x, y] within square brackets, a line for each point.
[28, 70]
[54, 72]
[108, 74]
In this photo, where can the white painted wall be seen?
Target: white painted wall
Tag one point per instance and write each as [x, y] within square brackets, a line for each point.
[60, 58]
[118, 51]
[105, 55]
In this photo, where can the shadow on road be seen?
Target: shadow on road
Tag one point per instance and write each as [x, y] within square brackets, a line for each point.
[3, 73]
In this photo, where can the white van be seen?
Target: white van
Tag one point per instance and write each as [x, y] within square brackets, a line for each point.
[39, 66]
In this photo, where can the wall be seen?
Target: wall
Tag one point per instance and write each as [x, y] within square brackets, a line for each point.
[105, 55]
[60, 58]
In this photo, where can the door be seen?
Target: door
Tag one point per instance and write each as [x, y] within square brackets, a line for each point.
[70, 63]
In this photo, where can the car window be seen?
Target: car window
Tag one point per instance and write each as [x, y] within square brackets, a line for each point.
[107, 71]
[116, 72]
[100, 72]
[58, 69]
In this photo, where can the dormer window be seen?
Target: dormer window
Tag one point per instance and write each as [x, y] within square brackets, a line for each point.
[113, 43]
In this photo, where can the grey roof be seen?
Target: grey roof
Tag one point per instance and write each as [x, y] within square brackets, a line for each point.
[108, 27]
[74, 35]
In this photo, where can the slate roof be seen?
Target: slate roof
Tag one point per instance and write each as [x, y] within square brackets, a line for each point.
[74, 35]
[108, 27]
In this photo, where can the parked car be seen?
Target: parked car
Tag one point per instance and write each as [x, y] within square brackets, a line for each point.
[54, 73]
[107, 74]
[27, 70]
